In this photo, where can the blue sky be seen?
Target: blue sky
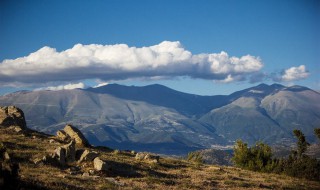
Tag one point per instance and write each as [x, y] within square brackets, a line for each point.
[282, 38]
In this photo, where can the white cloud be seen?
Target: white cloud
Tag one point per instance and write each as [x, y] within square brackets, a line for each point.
[228, 79]
[114, 62]
[101, 84]
[64, 87]
[295, 73]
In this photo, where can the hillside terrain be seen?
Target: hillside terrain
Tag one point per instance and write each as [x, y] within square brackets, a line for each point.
[123, 170]
[161, 120]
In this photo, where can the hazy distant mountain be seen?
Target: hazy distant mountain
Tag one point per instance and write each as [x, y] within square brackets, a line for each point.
[159, 119]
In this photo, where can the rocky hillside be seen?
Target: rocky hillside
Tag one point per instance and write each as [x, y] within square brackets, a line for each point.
[34, 160]
[158, 119]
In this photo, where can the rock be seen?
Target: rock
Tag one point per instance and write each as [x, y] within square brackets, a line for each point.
[52, 141]
[152, 158]
[140, 156]
[133, 152]
[147, 156]
[85, 174]
[79, 153]
[88, 155]
[99, 165]
[70, 150]
[6, 156]
[38, 161]
[15, 128]
[76, 134]
[60, 154]
[91, 172]
[12, 115]
[116, 152]
[62, 135]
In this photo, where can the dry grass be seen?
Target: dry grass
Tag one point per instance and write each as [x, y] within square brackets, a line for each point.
[128, 173]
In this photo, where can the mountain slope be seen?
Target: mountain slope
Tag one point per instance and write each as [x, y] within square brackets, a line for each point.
[267, 113]
[158, 119]
[108, 120]
[187, 104]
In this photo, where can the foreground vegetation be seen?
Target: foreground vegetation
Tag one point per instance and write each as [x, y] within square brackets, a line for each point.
[128, 173]
[260, 158]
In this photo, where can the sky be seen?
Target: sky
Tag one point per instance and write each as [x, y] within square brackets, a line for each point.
[194, 46]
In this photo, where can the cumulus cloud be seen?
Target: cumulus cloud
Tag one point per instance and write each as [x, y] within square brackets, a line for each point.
[116, 62]
[64, 87]
[295, 73]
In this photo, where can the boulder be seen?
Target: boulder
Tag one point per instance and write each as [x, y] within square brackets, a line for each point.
[152, 158]
[12, 115]
[140, 156]
[88, 155]
[15, 128]
[60, 154]
[6, 156]
[147, 156]
[70, 150]
[76, 134]
[62, 135]
[99, 164]
[79, 153]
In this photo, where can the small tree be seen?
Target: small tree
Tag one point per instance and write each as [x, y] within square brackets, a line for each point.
[241, 154]
[302, 143]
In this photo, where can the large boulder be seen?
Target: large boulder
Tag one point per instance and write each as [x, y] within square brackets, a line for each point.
[73, 133]
[70, 151]
[88, 155]
[11, 115]
[60, 154]
[99, 165]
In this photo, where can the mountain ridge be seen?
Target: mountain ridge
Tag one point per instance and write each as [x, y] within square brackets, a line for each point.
[159, 119]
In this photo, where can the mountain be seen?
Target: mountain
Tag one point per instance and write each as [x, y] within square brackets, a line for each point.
[159, 119]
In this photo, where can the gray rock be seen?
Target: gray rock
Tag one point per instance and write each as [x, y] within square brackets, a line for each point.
[88, 155]
[79, 153]
[62, 135]
[60, 154]
[99, 165]
[86, 174]
[140, 156]
[38, 161]
[15, 128]
[70, 151]
[152, 158]
[76, 134]
[12, 115]
[6, 156]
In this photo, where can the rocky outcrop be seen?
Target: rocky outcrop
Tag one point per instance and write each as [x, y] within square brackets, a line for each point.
[66, 153]
[70, 132]
[12, 116]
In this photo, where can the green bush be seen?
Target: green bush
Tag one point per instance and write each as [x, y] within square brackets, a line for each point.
[256, 158]
[259, 158]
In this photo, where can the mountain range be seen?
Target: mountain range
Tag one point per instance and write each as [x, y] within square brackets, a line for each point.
[159, 119]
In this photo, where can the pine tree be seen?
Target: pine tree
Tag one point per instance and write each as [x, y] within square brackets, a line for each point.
[302, 143]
